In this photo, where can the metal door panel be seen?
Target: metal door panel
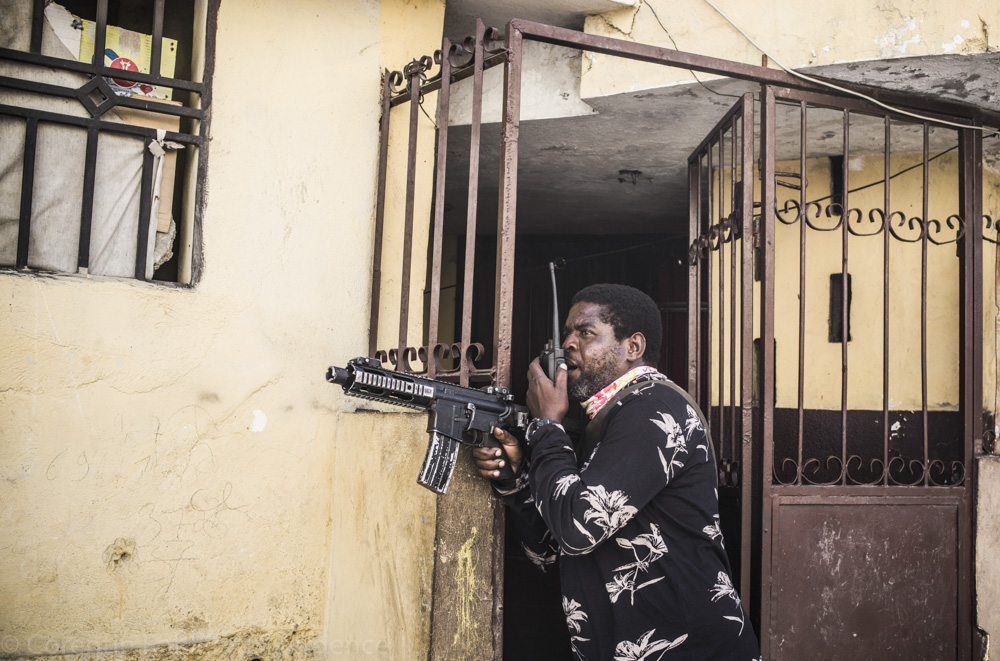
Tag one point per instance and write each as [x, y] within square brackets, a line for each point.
[864, 579]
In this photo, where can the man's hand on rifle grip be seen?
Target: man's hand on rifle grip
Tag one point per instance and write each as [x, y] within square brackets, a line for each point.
[489, 461]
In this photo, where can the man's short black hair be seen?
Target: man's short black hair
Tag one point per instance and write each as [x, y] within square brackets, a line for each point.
[628, 311]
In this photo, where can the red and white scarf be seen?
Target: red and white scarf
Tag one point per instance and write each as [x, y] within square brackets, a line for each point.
[597, 402]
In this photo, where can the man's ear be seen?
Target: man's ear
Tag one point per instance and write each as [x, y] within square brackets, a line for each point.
[635, 347]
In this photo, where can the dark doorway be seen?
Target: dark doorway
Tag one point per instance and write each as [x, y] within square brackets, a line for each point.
[534, 625]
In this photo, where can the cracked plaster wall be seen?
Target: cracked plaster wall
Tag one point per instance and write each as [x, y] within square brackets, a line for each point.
[798, 34]
[177, 478]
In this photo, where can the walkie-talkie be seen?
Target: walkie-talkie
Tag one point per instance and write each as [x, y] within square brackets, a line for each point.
[553, 355]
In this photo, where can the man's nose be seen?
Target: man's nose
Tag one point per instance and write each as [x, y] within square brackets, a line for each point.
[570, 342]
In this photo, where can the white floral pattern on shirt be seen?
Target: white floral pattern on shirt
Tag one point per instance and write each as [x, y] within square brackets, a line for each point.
[626, 576]
[644, 648]
[575, 617]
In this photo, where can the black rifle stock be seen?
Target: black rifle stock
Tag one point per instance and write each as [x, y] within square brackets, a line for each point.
[455, 413]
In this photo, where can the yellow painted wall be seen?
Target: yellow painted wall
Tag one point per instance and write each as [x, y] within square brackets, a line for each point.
[797, 34]
[178, 480]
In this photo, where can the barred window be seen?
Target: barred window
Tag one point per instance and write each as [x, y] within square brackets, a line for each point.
[103, 135]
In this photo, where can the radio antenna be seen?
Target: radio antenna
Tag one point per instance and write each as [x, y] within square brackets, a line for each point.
[556, 341]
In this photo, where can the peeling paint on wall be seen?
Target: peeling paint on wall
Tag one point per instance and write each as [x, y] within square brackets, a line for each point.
[465, 588]
[259, 422]
[955, 42]
[892, 42]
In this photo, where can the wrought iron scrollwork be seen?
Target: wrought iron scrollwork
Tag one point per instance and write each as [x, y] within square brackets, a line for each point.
[934, 229]
[991, 227]
[794, 468]
[396, 83]
[898, 471]
[460, 55]
[400, 81]
[814, 466]
[493, 35]
[876, 469]
[874, 228]
[907, 230]
[439, 354]
[698, 250]
[457, 53]
[945, 474]
[913, 223]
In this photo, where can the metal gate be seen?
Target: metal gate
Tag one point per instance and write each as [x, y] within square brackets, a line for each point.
[720, 294]
[845, 461]
[831, 295]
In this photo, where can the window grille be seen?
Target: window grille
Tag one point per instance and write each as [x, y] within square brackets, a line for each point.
[101, 172]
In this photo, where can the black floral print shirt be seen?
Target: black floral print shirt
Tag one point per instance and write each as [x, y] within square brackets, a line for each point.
[635, 533]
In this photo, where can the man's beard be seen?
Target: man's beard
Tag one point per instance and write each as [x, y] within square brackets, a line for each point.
[602, 371]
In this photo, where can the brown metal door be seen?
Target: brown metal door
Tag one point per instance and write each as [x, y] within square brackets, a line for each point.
[839, 363]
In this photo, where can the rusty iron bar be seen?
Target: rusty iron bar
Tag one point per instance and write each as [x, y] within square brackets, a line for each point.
[507, 211]
[971, 354]
[925, 208]
[887, 202]
[413, 72]
[383, 160]
[732, 292]
[844, 331]
[747, 481]
[718, 220]
[971, 253]
[767, 344]
[27, 184]
[803, 149]
[444, 99]
[504, 288]
[826, 99]
[145, 206]
[87, 206]
[96, 69]
[157, 45]
[704, 287]
[188, 272]
[37, 25]
[101, 32]
[709, 215]
[694, 301]
[472, 205]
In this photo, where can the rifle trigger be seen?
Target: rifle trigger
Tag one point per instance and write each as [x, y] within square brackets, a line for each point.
[471, 408]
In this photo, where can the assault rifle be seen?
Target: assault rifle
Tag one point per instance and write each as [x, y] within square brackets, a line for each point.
[457, 414]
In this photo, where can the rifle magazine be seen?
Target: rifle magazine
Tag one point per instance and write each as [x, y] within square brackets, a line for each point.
[439, 463]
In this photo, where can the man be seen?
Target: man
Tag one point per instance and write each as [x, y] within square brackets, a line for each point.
[632, 514]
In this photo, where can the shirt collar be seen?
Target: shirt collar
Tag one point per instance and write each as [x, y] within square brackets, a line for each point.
[597, 402]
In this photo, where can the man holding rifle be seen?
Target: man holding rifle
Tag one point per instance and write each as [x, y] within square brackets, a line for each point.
[632, 513]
